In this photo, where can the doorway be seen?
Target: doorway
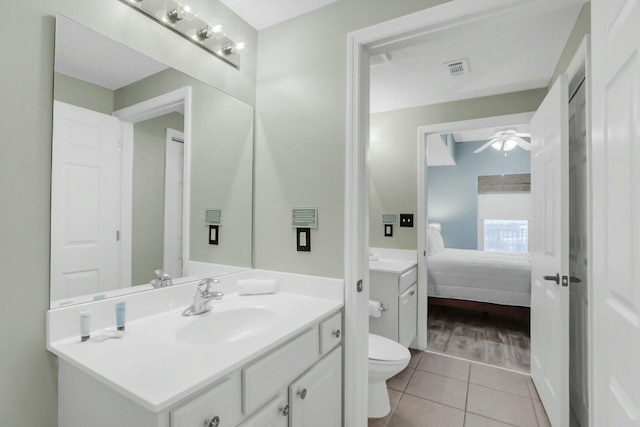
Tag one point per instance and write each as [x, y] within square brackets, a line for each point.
[357, 135]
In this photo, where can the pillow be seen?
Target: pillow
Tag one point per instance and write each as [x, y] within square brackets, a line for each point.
[435, 243]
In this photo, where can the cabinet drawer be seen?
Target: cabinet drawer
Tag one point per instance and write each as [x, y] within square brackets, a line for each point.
[222, 401]
[263, 379]
[330, 333]
[273, 414]
[407, 279]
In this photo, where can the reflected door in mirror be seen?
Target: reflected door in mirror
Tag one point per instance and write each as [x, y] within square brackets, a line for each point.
[85, 206]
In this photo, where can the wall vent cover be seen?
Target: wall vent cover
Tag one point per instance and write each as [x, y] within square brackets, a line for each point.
[379, 59]
[458, 67]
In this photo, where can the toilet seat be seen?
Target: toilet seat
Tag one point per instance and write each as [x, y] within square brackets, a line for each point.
[384, 350]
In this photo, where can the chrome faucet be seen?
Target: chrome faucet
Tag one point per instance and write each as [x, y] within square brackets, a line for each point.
[163, 279]
[204, 295]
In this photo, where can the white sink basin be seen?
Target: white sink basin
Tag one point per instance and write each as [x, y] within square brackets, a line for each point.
[226, 325]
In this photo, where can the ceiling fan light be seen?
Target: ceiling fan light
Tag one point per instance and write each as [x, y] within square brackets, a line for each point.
[497, 145]
[509, 144]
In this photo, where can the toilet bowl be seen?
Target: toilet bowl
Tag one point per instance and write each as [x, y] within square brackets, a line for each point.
[386, 359]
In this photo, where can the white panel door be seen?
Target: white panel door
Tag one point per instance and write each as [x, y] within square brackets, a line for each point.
[550, 253]
[578, 256]
[173, 201]
[616, 212]
[85, 202]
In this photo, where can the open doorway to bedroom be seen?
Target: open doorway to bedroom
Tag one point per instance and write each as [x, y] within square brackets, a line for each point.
[479, 273]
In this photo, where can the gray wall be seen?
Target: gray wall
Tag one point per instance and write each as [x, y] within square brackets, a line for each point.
[300, 131]
[395, 149]
[82, 94]
[28, 395]
[580, 29]
[147, 244]
[453, 190]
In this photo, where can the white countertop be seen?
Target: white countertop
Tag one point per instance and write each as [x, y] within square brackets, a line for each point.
[155, 370]
[391, 265]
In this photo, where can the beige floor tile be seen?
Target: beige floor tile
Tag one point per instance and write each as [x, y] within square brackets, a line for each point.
[415, 412]
[532, 390]
[394, 398]
[505, 407]
[400, 381]
[416, 355]
[473, 420]
[447, 391]
[445, 366]
[541, 414]
[499, 379]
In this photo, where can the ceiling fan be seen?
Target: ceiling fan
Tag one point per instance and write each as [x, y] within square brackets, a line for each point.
[507, 140]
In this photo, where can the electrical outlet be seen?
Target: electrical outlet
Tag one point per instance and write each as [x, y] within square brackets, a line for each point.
[406, 220]
[388, 230]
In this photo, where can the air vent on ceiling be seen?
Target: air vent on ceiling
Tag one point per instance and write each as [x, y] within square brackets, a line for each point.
[379, 59]
[458, 67]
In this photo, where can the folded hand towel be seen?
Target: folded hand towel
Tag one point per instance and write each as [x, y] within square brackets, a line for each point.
[256, 287]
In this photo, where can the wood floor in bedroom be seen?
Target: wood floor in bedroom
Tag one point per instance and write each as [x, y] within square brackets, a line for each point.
[481, 333]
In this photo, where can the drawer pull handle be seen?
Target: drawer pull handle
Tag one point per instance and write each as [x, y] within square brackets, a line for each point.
[302, 394]
[285, 410]
[337, 333]
[212, 422]
[412, 293]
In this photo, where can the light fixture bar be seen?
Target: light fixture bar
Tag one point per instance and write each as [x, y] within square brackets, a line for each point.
[182, 20]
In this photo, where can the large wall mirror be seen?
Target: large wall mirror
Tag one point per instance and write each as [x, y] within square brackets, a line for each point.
[140, 153]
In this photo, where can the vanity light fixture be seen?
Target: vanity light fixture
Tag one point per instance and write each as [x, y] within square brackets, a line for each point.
[179, 17]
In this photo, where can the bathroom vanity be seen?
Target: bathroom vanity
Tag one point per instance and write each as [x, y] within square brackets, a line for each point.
[252, 361]
[393, 278]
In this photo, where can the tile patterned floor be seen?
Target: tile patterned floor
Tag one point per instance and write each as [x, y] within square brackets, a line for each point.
[442, 391]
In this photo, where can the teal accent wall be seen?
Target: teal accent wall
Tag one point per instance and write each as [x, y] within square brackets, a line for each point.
[453, 190]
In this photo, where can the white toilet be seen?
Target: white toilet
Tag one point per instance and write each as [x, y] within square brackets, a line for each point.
[386, 359]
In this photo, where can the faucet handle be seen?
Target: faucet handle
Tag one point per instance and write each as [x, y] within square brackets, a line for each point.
[205, 284]
[161, 274]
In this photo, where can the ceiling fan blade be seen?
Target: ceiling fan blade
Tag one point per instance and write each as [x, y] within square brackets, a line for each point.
[523, 134]
[522, 143]
[484, 147]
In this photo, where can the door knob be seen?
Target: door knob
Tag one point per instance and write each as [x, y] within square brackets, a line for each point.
[555, 278]
[212, 422]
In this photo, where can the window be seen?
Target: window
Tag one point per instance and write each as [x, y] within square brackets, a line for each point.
[506, 236]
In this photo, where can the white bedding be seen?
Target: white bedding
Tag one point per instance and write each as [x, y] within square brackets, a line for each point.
[494, 277]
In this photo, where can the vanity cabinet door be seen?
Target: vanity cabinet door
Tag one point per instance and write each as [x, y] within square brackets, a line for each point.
[408, 316]
[217, 407]
[315, 399]
[273, 414]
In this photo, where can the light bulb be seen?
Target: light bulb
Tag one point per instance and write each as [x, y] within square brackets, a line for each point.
[509, 145]
[497, 145]
[217, 29]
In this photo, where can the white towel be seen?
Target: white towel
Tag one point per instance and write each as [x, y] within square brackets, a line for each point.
[256, 287]
[374, 308]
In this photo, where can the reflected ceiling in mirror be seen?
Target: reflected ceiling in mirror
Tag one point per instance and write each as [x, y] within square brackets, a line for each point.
[140, 152]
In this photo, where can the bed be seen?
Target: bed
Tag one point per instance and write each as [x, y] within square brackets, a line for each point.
[490, 277]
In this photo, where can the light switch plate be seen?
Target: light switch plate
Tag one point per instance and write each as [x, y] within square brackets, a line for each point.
[303, 239]
[406, 220]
